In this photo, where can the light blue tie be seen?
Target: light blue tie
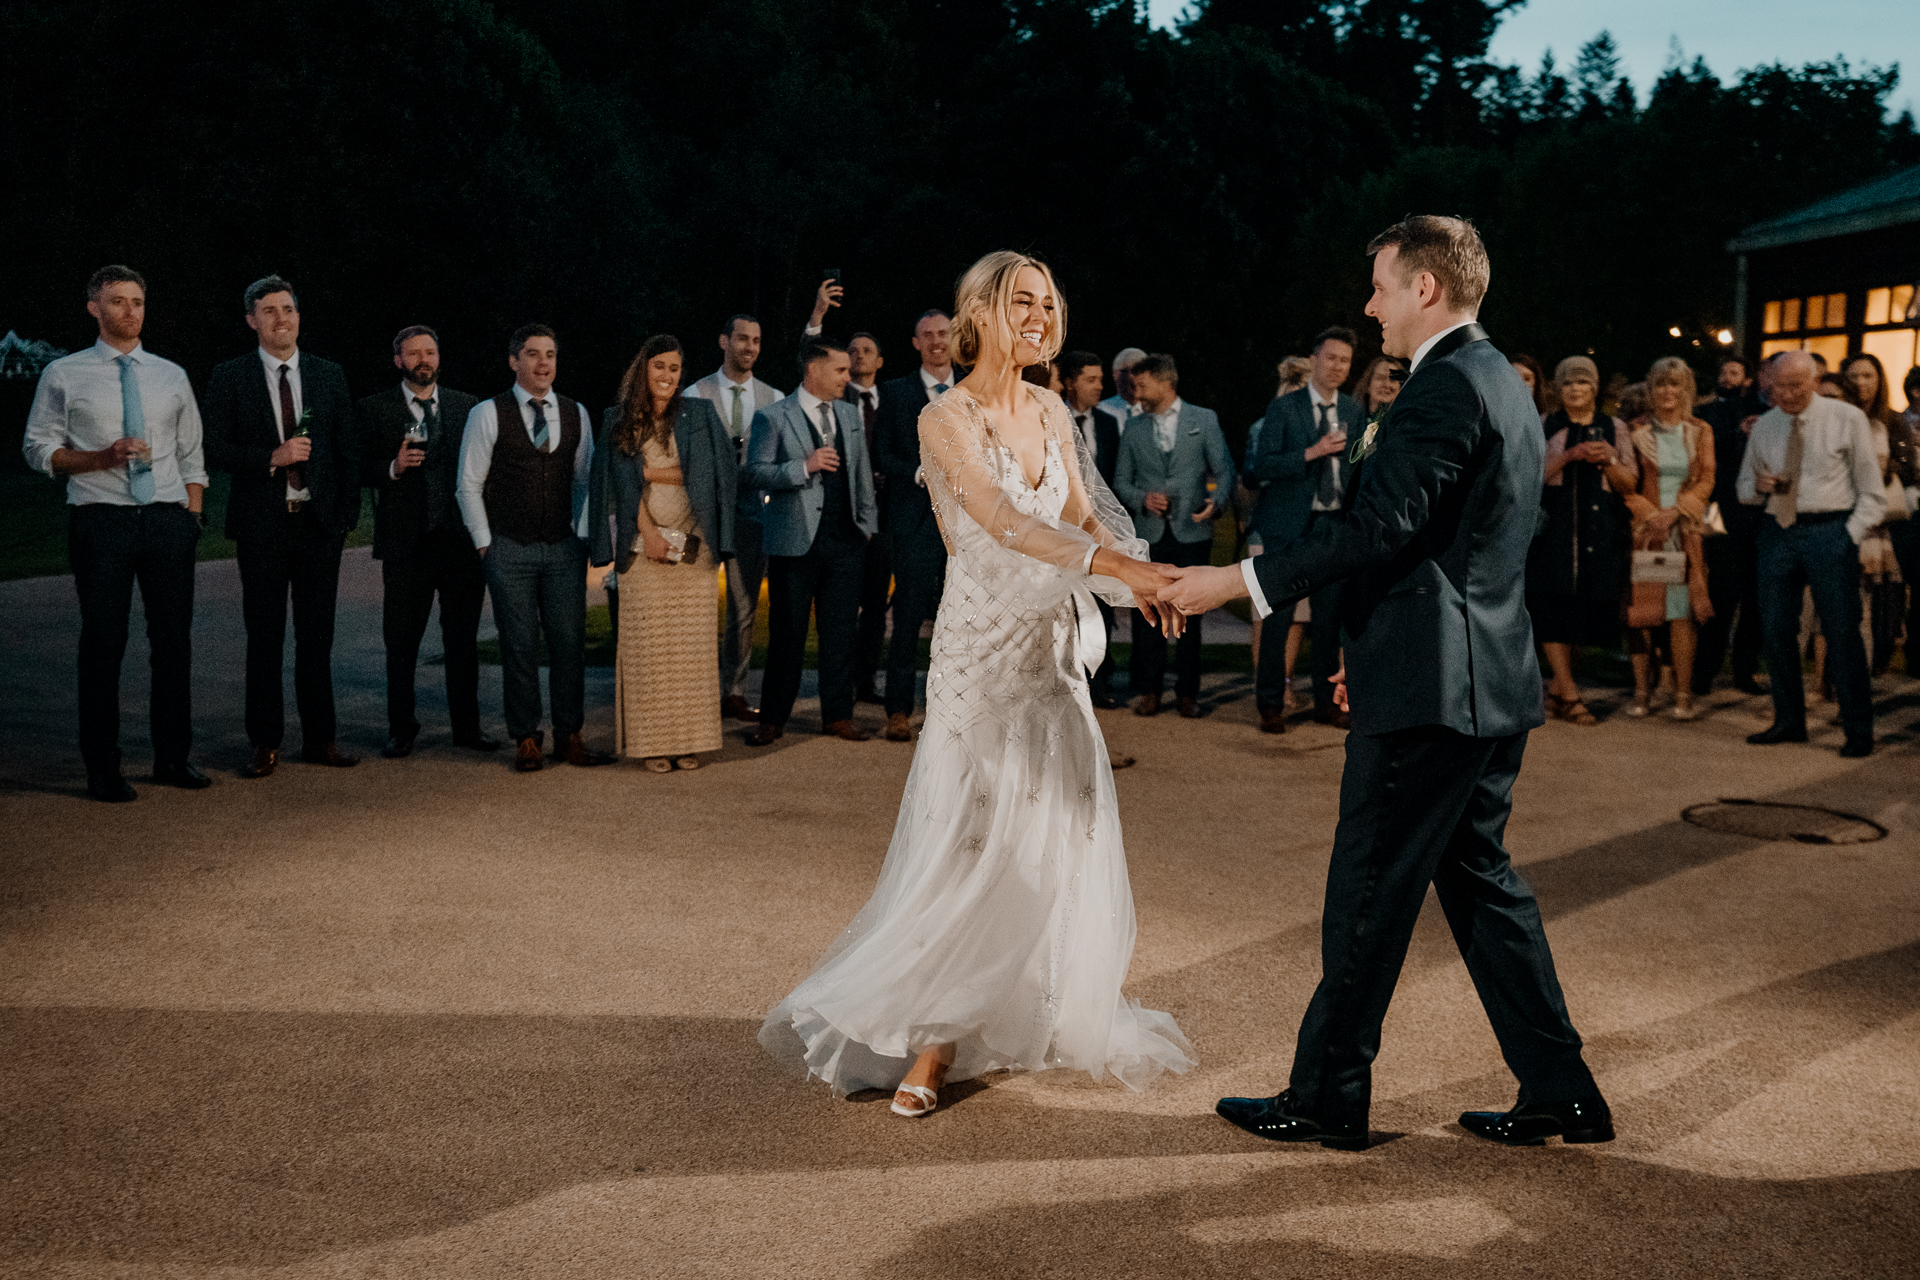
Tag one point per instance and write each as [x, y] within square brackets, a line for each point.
[134, 425]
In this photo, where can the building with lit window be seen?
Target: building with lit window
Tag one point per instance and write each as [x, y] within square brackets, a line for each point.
[1837, 278]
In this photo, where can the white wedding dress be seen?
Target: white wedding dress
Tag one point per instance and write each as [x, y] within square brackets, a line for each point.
[1002, 923]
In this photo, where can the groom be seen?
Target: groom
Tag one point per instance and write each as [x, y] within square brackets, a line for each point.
[1431, 543]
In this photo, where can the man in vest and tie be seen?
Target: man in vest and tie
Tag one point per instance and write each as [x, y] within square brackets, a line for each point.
[524, 462]
[1811, 465]
[121, 426]
[411, 462]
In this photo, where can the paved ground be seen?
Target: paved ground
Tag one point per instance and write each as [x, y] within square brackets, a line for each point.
[430, 1018]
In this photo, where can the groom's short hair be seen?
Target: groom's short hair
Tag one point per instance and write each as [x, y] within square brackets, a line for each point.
[1449, 248]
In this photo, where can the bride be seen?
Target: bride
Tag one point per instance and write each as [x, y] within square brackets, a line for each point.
[1002, 924]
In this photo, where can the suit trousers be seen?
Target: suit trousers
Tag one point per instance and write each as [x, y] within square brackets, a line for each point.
[1270, 686]
[870, 636]
[539, 589]
[297, 560]
[1733, 585]
[443, 562]
[1816, 552]
[919, 576]
[823, 584]
[1417, 807]
[111, 547]
[745, 572]
[1147, 669]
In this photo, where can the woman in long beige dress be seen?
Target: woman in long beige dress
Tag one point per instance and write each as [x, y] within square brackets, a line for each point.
[664, 510]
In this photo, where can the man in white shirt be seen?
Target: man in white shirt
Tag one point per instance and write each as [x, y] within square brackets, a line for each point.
[122, 426]
[737, 394]
[524, 461]
[1810, 464]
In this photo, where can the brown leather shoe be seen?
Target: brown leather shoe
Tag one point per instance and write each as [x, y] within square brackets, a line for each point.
[1273, 719]
[899, 727]
[1189, 708]
[847, 729]
[576, 753]
[330, 755]
[261, 763]
[736, 708]
[766, 735]
[529, 758]
[1147, 705]
[1335, 717]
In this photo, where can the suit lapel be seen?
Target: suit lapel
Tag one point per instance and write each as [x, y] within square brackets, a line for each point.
[266, 412]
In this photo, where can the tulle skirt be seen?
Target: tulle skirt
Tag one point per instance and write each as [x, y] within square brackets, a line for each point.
[1002, 923]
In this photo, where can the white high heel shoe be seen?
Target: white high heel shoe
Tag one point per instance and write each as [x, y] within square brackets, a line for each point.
[919, 1093]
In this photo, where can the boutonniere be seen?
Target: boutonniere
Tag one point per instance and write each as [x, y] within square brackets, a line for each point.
[1364, 445]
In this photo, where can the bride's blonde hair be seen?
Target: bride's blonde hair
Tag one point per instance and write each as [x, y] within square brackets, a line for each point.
[987, 287]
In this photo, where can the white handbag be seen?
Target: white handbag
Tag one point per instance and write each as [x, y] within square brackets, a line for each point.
[1669, 567]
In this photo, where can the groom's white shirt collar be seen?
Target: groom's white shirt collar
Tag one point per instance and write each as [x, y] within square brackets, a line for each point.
[1427, 346]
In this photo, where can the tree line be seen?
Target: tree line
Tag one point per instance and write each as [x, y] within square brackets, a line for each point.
[622, 167]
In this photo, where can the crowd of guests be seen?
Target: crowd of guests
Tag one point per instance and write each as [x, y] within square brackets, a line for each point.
[1694, 525]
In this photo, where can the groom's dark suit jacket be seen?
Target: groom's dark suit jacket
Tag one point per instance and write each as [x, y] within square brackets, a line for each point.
[1432, 547]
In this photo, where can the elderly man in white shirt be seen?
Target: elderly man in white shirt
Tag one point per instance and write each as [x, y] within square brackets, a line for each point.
[1810, 463]
[122, 426]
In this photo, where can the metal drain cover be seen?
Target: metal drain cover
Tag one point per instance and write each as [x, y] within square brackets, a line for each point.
[1767, 820]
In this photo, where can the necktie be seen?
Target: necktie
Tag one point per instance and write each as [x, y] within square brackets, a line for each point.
[289, 428]
[1786, 506]
[868, 411]
[428, 426]
[825, 430]
[1329, 487]
[540, 432]
[133, 422]
[737, 425]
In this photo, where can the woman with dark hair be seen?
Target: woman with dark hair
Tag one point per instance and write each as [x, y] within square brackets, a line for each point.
[1377, 385]
[1676, 460]
[1577, 566]
[663, 497]
[1536, 379]
[1886, 572]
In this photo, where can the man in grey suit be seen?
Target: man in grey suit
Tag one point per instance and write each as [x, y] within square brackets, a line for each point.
[809, 453]
[1302, 462]
[1167, 452]
[738, 395]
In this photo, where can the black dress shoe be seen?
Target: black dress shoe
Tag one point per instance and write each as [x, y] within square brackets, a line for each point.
[111, 789]
[477, 742]
[182, 775]
[1857, 748]
[398, 747]
[1275, 1119]
[1776, 733]
[1531, 1123]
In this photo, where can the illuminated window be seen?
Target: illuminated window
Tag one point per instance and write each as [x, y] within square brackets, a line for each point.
[1817, 311]
[1896, 350]
[1878, 300]
[1836, 311]
[1902, 308]
[1790, 315]
[1770, 321]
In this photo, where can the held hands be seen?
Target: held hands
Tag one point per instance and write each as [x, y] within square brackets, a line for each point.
[1203, 587]
[825, 458]
[1155, 503]
[298, 449]
[1146, 580]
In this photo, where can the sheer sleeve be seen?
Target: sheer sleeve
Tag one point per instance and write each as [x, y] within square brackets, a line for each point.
[1029, 561]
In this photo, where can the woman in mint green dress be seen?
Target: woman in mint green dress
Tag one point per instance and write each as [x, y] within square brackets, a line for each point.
[1675, 452]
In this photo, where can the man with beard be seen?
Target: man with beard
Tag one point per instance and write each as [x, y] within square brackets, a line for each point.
[411, 455]
[738, 395]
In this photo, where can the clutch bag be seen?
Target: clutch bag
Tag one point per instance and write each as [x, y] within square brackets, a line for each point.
[1669, 567]
[681, 547]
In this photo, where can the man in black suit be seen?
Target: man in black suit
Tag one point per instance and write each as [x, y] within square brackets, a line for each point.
[1432, 546]
[411, 461]
[919, 556]
[1733, 561]
[1099, 431]
[1303, 466]
[281, 421]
